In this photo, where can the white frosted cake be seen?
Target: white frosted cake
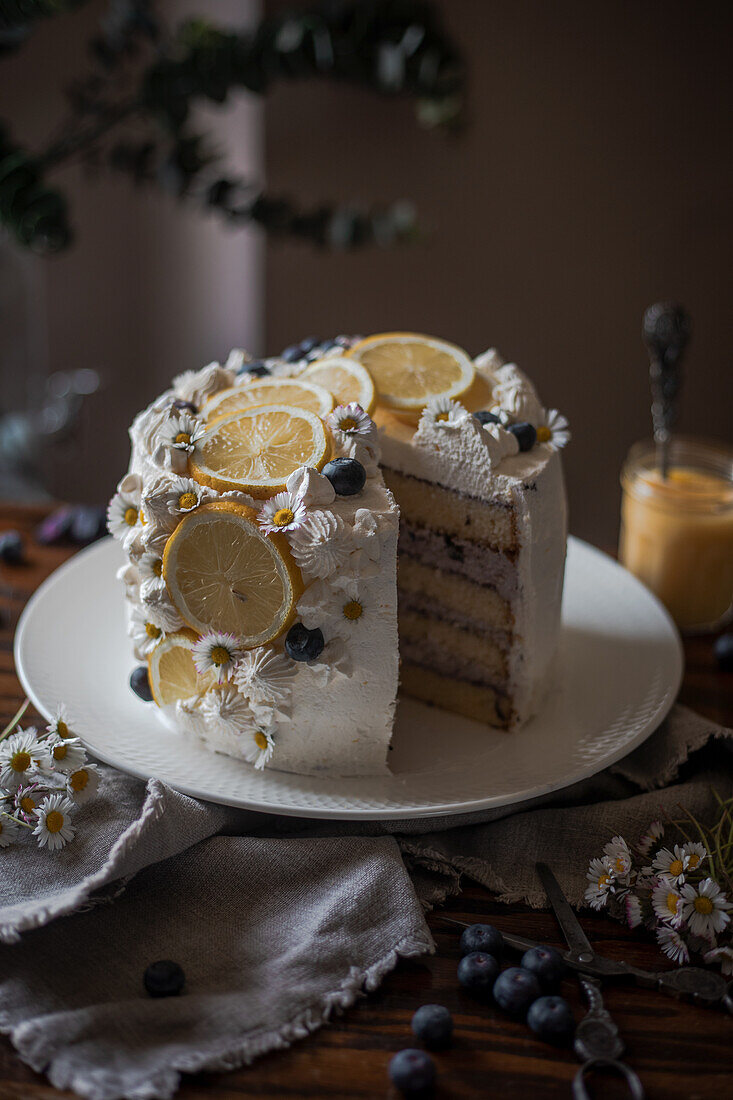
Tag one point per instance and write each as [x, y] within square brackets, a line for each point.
[260, 518]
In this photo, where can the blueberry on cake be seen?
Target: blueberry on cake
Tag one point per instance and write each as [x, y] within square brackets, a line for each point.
[303, 533]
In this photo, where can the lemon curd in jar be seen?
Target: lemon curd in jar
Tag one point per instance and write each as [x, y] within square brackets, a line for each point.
[677, 532]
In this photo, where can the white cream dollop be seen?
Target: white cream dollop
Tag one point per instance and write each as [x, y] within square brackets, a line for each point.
[310, 486]
[196, 385]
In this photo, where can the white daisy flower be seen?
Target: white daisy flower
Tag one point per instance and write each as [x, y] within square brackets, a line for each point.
[261, 747]
[695, 853]
[150, 570]
[705, 908]
[618, 852]
[632, 909]
[654, 833]
[445, 413]
[82, 784]
[671, 864]
[144, 632]
[264, 675]
[340, 610]
[182, 432]
[67, 754]
[54, 828]
[123, 517]
[59, 726]
[21, 756]
[28, 798]
[351, 421]
[219, 651]
[672, 944]
[553, 429]
[181, 495]
[226, 710]
[322, 544]
[8, 830]
[667, 902]
[600, 882]
[722, 955]
[283, 512]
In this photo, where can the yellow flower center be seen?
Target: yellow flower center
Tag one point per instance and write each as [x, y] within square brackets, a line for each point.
[353, 610]
[620, 866]
[61, 728]
[183, 437]
[260, 740]
[220, 655]
[187, 500]
[604, 880]
[54, 821]
[703, 905]
[60, 751]
[152, 630]
[79, 780]
[347, 424]
[676, 867]
[130, 516]
[158, 568]
[671, 902]
[694, 859]
[544, 435]
[443, 416]
[282, 517]
[27, 804]
[20, 761]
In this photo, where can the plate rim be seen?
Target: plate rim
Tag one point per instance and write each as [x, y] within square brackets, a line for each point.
[449, 809]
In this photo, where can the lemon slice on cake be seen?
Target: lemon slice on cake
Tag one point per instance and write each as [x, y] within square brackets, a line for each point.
[223, 573]
[269, 391]
[345, 378]
[408, 369]
[258, 449]
[172, 672]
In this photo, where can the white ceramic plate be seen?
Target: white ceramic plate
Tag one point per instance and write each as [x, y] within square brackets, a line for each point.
[619, 669]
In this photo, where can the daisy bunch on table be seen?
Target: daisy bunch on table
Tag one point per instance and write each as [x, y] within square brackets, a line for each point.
[677, 881]
[44, 776]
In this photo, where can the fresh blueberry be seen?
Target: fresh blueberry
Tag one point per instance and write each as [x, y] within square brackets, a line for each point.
[55, 527]
[164, 979]
[723, 650]
[412, 1072]
[302, 644]
[546, 964]
[88, 524]
[482, 937]
[485, 417]
[308, 344]
[433, 1025]
[526, 435]
[140, 683]
[185, 406]
[515, 989]
[292, 353]
[343, 341]
[552, 1019]
[477, 972]
[11, 547]
[347, 476]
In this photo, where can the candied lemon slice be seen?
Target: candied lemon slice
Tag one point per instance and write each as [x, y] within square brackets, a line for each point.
[172, 672]
[258, 449]
[346, 379]
[224, 573]
[269, 391]
[408, 369]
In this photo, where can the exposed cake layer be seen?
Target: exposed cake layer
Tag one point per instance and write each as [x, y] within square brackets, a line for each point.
[424, 586]
[451, 649]
[477, 701]
[459, 557]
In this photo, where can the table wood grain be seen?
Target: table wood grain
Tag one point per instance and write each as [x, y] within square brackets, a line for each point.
[680, 1051]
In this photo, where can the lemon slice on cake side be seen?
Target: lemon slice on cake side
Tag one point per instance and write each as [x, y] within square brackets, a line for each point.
[268, 391]
[171, 670]
[258, 449]
[223, 573]
[409, 369]
[346, 379]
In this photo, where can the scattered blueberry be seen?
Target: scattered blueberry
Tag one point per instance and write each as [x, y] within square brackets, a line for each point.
[477, 972]
[185, 406]
[55, 527]
[526, 435]
[88, 524]
[482, 937]
[433, 1025]
[292, 353]
[515, 989]
[723, 650]
[11, 547]
[552, 1019]
[256, 367]
[547, 965]
[302, 644]
[347, 476]
[164, 979]
[140, 683]
[412, 1072]
[485, 417]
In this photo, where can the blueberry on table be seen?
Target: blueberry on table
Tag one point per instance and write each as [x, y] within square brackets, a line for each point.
[433, 1025]
[482, 937]
[164, 979]
[302, 644]
[723, 650]
[547, 965]
[526, 435]
[515, 989]
[347, 476]
[485, 417]
[552, 1019]
[140, 683]
[12, 551]
[412, 1072]
[88, 524]
[477, 972]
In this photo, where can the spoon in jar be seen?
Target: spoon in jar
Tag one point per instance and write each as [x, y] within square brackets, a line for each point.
[666, 333]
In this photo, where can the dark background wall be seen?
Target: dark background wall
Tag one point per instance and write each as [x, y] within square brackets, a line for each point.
[594, 177]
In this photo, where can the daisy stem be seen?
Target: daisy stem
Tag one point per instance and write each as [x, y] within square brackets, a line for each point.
[15, 719]
[17, 820]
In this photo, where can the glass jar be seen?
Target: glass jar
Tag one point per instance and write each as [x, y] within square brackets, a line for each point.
[677, 532]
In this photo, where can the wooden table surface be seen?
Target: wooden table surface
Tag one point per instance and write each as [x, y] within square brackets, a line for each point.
[680, 1051]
